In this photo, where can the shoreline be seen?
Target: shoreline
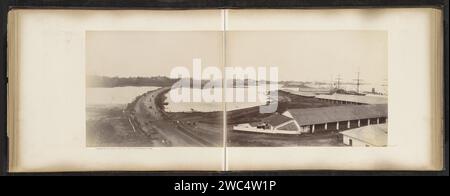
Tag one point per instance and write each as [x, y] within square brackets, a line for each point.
[147, 112]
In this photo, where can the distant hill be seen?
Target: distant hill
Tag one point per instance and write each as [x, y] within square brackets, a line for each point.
[106, 81]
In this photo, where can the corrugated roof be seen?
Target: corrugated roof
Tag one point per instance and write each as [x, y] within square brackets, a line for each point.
[356, 98]
[309, 116]
[373, 134]
[276, 119]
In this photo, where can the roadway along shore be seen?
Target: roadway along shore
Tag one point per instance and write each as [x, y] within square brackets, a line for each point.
[147, 113]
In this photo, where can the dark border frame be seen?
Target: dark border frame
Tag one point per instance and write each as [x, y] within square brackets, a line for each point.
[6, 5]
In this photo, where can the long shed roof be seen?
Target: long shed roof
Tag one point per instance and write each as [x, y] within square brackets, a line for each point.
[276, 119]
[355, 98]
[310, 116]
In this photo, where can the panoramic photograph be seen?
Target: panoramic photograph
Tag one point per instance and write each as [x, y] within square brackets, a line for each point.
[252, 89]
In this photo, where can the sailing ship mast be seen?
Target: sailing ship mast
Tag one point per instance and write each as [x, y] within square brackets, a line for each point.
[339, 81]
[358, 82]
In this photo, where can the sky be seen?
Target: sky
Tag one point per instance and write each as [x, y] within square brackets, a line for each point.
[299, 55]
[312, 55]
[150, 53]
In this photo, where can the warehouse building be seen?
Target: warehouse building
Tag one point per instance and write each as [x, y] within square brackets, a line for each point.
[276, 123]
[311, 120]
[352, 99]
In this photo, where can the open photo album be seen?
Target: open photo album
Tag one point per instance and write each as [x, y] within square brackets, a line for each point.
[225, 90]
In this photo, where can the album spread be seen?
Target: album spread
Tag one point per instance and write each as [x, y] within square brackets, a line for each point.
[225, 89]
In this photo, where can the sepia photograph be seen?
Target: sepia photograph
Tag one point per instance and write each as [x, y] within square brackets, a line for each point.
[326, 88]
[331, 88]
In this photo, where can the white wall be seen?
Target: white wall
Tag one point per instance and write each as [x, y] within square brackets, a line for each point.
[355, 142]
[288, 114]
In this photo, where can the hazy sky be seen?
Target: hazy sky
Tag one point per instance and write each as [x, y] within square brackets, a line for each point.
[312, 56]
[150, 53]
[300, 55]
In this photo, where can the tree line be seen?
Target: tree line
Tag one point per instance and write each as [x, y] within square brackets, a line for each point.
[107, 81]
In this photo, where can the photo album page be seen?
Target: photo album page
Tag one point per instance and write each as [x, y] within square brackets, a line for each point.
[225, 90]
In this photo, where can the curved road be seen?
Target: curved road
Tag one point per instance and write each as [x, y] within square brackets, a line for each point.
[150, 117]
